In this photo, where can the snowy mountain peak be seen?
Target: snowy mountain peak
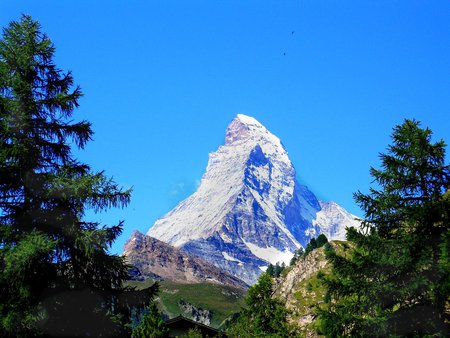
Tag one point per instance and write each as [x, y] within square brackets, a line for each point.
[248, 120]
[249, 209]
[244, 128]
[236, 131]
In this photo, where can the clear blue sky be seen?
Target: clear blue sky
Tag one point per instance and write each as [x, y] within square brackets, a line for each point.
[162, 79]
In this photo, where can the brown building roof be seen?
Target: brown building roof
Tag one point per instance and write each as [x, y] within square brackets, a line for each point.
[179, 326]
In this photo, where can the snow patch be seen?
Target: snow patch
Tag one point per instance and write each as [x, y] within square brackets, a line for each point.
[209, 279]
[311, 232]
[270, 254]
[229, 258]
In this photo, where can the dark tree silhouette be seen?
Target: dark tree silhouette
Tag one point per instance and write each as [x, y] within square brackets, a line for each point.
[396, 278]
[263, 316]
[55, 266]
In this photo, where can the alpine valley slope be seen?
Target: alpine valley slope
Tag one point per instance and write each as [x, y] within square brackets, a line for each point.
[249, 210]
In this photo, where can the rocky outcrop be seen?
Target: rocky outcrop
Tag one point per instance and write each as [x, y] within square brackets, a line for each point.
[158, 260]
[302, 290]
[304, 269]
[196, 314]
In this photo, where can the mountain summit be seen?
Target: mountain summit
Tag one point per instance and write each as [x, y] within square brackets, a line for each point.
[249, 210]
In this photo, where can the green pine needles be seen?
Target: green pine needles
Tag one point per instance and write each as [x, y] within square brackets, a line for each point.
[395, 281]
[263, 316]
[56, 276]
[151, 324]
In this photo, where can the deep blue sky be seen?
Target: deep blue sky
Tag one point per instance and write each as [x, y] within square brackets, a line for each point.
[162, 79]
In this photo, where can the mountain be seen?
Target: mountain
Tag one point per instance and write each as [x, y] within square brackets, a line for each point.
[158, 260]
[249, 209]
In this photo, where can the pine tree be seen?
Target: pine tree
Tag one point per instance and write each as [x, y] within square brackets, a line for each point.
[396, 278]
[264, 316]
[56, 273]
[310, 247]
[151, 324]
[297, 255]
[321, 240]
[277, 270]
[270, 270]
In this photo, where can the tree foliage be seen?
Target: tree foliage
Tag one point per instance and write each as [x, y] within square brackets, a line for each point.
[321, 240]
[275, 270]
[315, 243]
[396, 280]
[193, 333]
[270, 270]
[310, 247]
[151, 324]
[56, 273]
[264, 316]
[297, 255]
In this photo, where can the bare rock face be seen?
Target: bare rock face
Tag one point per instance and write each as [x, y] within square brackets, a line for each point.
[158, 260]
[249, 210]
[304, 269]
[196, 314]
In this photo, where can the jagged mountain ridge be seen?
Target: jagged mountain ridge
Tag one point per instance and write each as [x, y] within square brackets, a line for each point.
[249, 208]
[158, 260]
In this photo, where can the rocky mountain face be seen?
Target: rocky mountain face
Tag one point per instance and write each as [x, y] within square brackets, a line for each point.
[196, 314]
[152, 258]
[249, 209]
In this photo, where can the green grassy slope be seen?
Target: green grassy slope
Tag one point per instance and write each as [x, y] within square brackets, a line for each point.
[221, 300]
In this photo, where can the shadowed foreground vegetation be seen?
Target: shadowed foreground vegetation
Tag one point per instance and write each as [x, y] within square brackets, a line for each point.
[57, 277]
[221, 300]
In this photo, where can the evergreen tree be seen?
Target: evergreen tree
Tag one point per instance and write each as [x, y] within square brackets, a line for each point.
[277, 270]
[321, 240]
[56, 274]
[270, 270]
[282, 268]
[263, 316]
[151, 324]
[294, 259]
[310, 247]
[297, 255]
[396, 279]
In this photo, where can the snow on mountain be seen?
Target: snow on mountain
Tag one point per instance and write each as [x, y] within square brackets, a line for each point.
[330, 219]
[249, 209]
[242, 161]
